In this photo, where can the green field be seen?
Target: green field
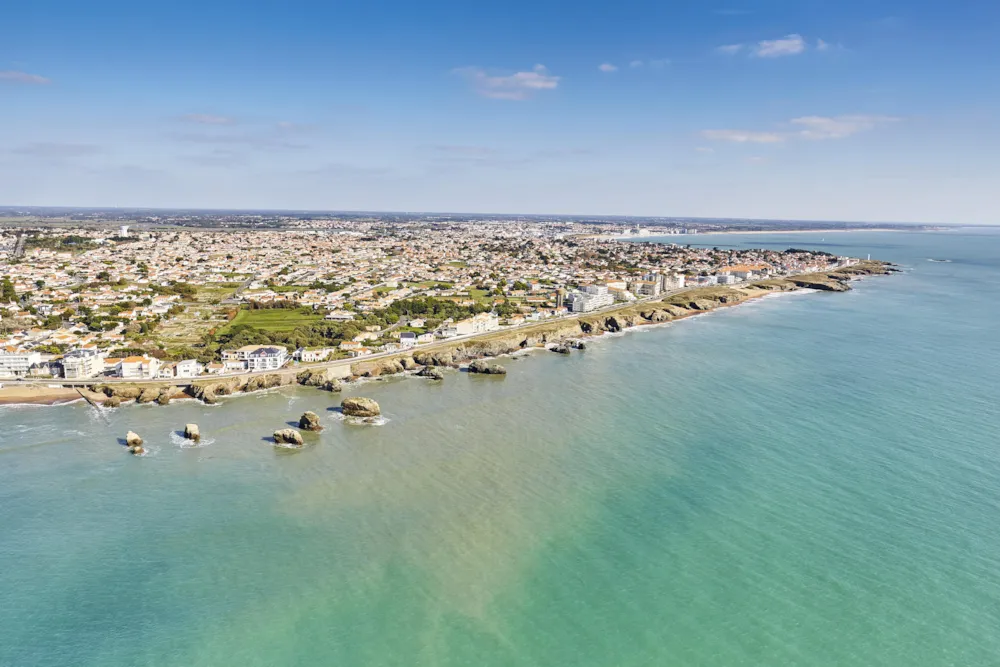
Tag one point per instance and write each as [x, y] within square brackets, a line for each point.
[275, 319]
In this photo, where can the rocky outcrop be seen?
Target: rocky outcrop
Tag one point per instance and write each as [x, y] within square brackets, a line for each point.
[560, 349]
[374, 369]
[166, 395]
[192, 432]
[441, 358]
[309, 421]
[111, 402]
[703, 304]
[358, 406]
[123, 392]
[321, 378]
[270, 381]
[288, 436]
[485, 368]
[148, 395]
[432, 372]
[578, 345]
[826, 283]
[134, 443]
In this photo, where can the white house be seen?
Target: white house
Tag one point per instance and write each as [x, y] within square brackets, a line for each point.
[267, 358]
[138, 368]
[407, 339]
[188, 368]
[82, 363]
[17, 362]
[307, 355]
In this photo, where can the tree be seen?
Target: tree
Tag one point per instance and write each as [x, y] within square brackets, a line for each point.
[39, 283]
[104, 276]
[7, 293]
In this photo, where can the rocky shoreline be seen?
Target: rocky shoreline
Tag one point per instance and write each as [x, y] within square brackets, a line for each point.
[562, 335]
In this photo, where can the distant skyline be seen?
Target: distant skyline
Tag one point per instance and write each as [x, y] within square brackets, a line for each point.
[877, 111]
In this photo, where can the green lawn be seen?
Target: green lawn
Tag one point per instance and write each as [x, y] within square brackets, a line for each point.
[275, 319]
[432, 283]
[458, 264]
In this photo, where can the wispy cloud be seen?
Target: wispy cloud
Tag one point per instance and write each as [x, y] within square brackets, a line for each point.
[208, 119]
[729, 49]
[705, 149]
[652, 63]
[821, 45]
[50, 149]
[743, 136]
[636, 64]
[13, 76]
[806, 127]
[516, 86]
[838, 127]
[790, 45]
[607, 67]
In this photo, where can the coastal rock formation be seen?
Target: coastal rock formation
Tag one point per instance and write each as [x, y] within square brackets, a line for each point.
[480, 366]
[112, 402]
[288, 436]
[122, 392]
[191, 432]
[578, 345]
[431, 372]
[148, 395]
[321, 378]
[269, 381]
[165, 396]
[357, 406]
[703, 304]
[827, 283]
[309, 421]
[443, 358]
[134, 443]
[560, 349]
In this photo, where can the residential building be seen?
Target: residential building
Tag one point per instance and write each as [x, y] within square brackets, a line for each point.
[255, 358]
[591, 298]
[138, 368]
[82, 363]
[17, 362]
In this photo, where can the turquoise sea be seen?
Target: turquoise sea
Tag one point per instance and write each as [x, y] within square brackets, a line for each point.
[809, 479]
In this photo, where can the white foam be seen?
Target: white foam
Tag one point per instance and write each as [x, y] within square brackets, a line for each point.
[185, 443]
[381, 420]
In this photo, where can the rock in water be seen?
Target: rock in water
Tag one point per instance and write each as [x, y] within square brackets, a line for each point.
[192, 433]
[148, 395]
[134, 443]
[357, 406]
[309, 421]
[112, 402]
[561, 349]
[480, 366]
[288, 436]
[431, 372]
[578, 345]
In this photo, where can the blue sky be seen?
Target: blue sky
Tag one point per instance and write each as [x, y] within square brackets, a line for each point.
[816, 109]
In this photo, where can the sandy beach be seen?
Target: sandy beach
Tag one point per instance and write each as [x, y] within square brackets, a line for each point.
[14, 393]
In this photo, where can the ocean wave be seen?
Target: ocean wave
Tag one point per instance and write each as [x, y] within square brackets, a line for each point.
[381, 420]
[182, 442]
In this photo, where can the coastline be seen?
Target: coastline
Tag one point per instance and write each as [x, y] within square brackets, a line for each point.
[676, 306]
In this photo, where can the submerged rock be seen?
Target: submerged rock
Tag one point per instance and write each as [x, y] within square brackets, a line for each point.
[357, 406]
[191, 432]
[431, 372]
[309, 421]
[288, 436]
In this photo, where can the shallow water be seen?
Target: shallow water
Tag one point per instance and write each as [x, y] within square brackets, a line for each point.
[807, 480]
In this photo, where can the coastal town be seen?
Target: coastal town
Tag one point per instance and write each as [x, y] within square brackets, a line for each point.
[148, 301]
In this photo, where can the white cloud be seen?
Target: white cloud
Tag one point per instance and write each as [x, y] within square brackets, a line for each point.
[516, 86]
[744, 136]
[805, 127]
[775, 48]
[838, 127]
[730, 49]
[635, 64]
[208, 119]
[12, 76]
[705, 149]
[821, 45]
[607, 67]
